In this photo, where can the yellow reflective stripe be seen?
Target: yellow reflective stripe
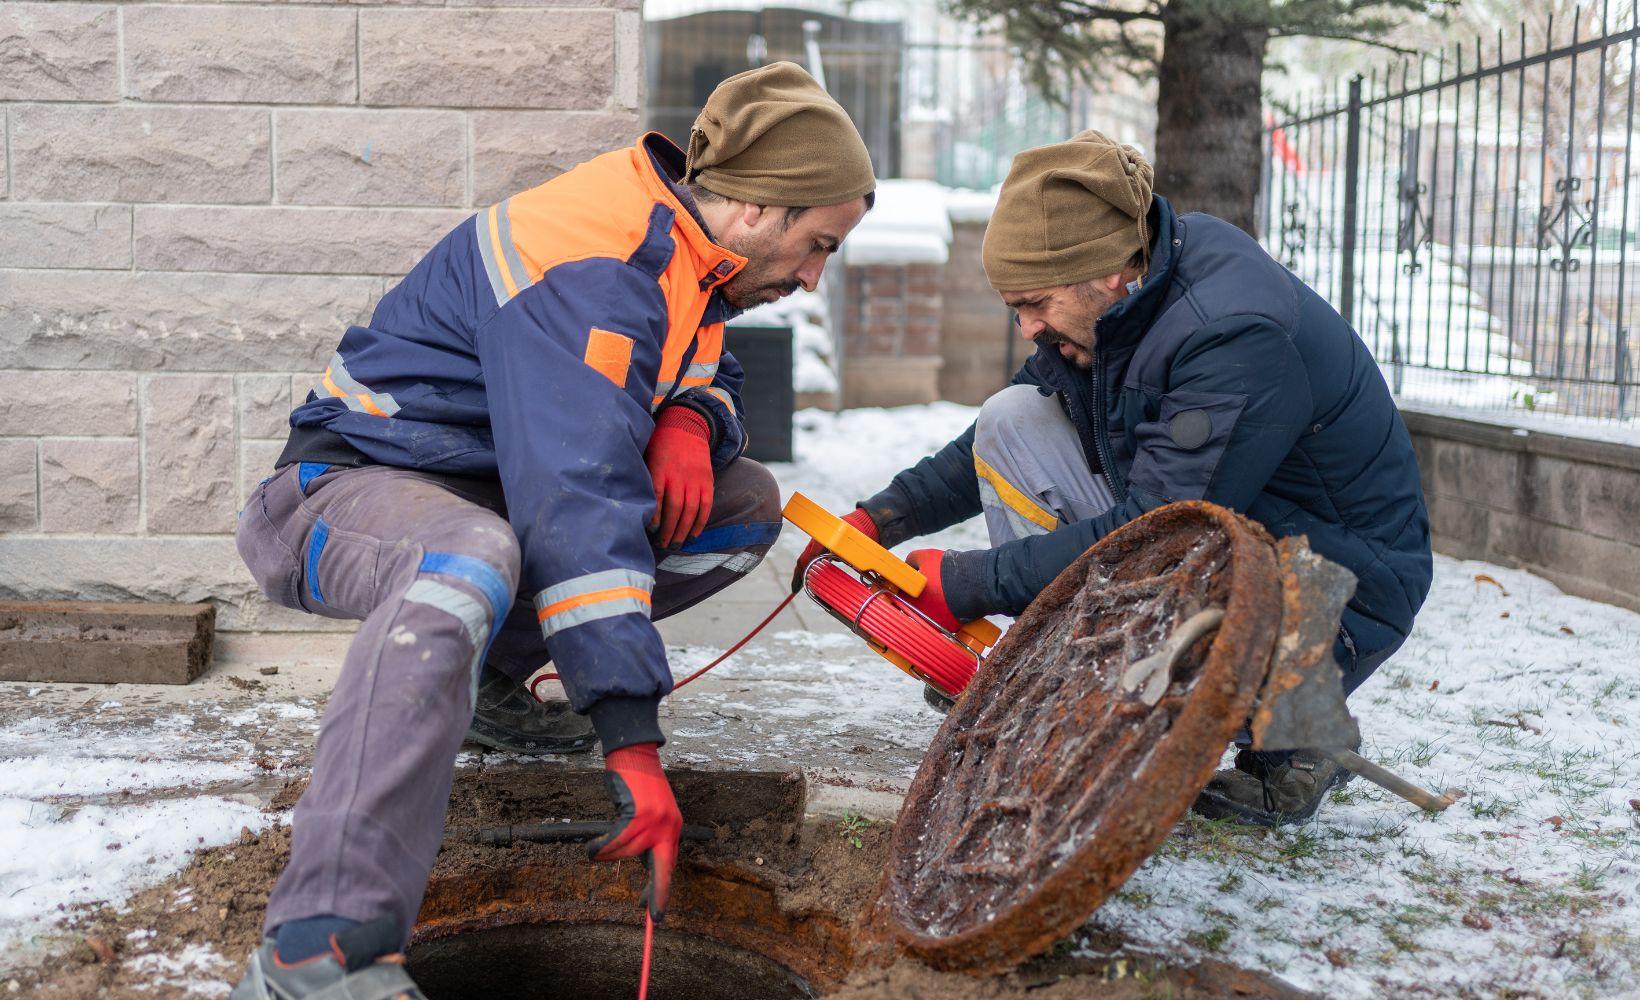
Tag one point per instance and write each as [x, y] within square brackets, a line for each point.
[722, 396]
[1018, 502]
[499, 252]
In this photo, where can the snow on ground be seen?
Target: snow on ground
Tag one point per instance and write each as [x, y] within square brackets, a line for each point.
[1524, 697]
[96, 806]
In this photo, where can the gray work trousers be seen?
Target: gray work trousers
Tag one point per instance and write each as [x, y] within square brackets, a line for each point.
[427, 562]
[1032, 473]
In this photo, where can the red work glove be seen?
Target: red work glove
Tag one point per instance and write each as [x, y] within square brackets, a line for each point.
[857, 518]
[931, 601]
[679, 457]
[648, 823]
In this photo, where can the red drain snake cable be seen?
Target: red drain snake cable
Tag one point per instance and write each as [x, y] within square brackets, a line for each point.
[893, 624]
[648, 953]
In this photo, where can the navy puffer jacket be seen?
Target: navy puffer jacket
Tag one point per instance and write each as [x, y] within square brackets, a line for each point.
[1304, 436]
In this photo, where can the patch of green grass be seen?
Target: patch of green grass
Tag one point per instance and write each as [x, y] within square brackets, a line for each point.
[1590, 878]
[1212, 939]
[1493, 808]
[1137, 898]
[1230, 883]
[1266, 903]
[851, 826]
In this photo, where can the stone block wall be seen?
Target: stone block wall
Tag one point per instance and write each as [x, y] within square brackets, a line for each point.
[1565, 508]
[196, 200]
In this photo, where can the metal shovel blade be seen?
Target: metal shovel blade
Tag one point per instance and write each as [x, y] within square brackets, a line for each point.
[1301, 706]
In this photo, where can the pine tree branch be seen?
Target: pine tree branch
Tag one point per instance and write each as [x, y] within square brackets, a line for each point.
[1080, 9]
[1342, 36]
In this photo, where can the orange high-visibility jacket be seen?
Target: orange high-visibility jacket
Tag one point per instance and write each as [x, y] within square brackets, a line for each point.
[533, 344]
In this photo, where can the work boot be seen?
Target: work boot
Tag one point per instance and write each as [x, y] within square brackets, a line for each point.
[363, 963]
[507, 717]
[938, 700]
[1264, 790]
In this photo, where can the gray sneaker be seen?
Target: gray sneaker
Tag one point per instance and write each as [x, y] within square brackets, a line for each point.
[507, 717]
[361, 965]
[1266, 791]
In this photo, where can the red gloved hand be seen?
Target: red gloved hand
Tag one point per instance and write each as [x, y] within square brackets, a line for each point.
[649, 822]
[857, 518]
[679, 457]
[931, 601]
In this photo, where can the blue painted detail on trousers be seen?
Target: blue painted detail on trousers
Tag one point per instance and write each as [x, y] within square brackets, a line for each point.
[307, 472]
[734, 536]
[316, 548]
[480, 574]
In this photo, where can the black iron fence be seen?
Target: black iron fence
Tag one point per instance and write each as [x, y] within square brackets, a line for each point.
[1470, 213]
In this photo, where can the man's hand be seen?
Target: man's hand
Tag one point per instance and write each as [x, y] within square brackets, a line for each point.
[931, 601]
[857, 518]
[679, 457]
[648, 823]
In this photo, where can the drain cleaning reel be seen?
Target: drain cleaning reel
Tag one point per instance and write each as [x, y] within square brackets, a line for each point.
[861, 584]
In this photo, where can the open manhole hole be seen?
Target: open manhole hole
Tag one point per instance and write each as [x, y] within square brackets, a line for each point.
[595, 962]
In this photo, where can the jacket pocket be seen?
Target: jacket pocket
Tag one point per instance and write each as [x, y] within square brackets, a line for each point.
[1177, 454]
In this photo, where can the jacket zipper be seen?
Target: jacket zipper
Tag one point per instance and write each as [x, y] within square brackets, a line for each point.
[1101, 434]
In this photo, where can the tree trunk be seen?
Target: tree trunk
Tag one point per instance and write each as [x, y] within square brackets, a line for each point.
[1208, 112]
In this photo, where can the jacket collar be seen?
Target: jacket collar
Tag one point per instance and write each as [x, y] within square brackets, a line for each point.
[664, 178]
[1127, 320]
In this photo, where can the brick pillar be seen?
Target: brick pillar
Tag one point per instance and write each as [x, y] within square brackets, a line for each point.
[196, 201]
[892, 334]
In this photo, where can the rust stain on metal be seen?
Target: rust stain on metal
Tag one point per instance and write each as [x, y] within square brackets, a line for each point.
[1302, 702]
[1051, 781]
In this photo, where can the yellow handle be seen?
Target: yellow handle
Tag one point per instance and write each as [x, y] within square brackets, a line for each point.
[852, 545]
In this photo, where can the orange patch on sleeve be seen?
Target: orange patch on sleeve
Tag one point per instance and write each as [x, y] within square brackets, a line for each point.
[610, 355]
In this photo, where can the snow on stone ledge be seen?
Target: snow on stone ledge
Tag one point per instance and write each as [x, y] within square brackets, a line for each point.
[963, 205]
[909, 225]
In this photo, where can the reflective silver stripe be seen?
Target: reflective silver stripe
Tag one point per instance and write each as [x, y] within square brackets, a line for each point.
[353, 387]
[509, 249]
[721, 396]
[701, 371]
[486, 251]
[694, 564]
[1022, 527]
[591, 585]
[662, 388]
[472, 614]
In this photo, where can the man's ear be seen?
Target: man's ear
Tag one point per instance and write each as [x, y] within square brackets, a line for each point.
[1111, 283]
[751, 215]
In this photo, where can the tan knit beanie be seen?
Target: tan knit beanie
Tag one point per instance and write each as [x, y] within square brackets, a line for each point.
[773, 136]
[1068, 213]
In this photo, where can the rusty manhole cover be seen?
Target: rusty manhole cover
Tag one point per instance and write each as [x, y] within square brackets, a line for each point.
[1065, 765]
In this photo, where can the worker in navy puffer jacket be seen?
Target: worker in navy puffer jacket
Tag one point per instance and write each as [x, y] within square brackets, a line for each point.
[1176, 361]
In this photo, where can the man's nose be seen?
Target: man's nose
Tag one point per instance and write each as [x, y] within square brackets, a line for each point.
[809, 274]
[1028, 328]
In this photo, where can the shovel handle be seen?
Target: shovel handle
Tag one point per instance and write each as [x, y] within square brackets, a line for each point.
[1381, 776]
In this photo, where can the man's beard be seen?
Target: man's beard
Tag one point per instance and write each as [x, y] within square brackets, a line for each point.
[752, 287]
[746, 290]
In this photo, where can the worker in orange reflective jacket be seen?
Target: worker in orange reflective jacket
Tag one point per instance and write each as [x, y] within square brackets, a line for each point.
[533, 450]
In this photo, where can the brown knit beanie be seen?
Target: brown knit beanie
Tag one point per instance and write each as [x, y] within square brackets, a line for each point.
[773, 136]
[1068, 213]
